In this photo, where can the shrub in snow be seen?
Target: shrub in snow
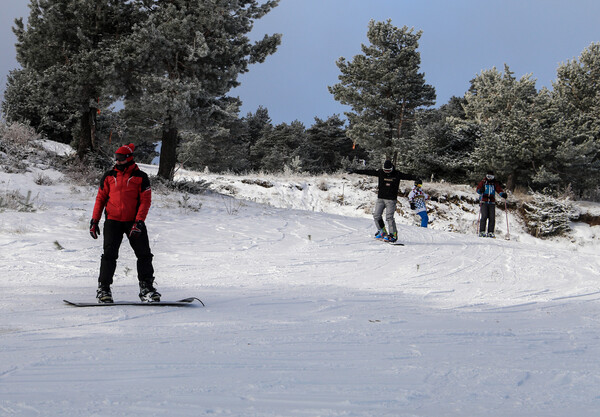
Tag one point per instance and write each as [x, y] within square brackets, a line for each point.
[16, 142]
[164, 186]
[187, 204]
[14, 200]
[547, 216]
[42, 179]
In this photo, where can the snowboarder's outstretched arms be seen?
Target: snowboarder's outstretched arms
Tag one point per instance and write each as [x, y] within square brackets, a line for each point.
[370, 172]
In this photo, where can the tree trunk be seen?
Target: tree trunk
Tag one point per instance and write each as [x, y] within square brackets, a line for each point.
[401, 121]
[510, 182]
[87, 135]
[168, 153]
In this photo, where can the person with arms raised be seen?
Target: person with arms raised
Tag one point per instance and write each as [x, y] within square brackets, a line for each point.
[387, 198]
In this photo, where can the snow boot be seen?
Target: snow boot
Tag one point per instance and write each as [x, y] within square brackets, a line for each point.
[391, 238]
[148, 293]
[482, 234]
[492, 235]
[103, 294]
[381, 234]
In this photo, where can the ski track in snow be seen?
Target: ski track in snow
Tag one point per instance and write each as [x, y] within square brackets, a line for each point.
[306, 315]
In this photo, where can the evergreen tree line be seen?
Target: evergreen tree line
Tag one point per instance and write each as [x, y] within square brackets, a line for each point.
[253, 143]
[544, 140]
[96, 74]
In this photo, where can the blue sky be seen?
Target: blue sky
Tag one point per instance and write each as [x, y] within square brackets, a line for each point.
[460, 39]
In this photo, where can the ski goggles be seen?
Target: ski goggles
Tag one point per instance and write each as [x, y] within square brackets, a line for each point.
[489, 176]
[121, 157]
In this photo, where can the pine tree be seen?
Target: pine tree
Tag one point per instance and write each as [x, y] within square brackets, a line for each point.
[384, 87]
[65, 52]
[186, 56]
[277, 148]
[326, 146]
[437, 148]
[574, 119]
[223, 146]
[510, 140]
[256, 125]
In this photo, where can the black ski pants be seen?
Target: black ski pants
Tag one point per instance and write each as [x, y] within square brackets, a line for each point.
[488, 215]
[113, 236]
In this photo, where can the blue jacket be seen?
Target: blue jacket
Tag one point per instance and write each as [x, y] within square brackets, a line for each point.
[488, 189]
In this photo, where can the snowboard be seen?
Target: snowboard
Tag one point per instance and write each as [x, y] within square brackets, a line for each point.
[179, 303]
[396, 243]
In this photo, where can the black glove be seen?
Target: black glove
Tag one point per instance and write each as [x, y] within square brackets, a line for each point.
[136, 229]
[413, 206]
[94, 229]
[503, 195]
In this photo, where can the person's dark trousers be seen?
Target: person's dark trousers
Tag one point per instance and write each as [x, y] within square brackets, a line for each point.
[488, 212]
[113, 236]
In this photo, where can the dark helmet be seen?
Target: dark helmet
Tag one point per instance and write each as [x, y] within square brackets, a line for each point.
[388, 166]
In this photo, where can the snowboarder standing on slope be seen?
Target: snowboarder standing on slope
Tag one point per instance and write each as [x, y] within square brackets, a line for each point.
[387, 195]
[417, 198]
[125, 194]
[487, 189]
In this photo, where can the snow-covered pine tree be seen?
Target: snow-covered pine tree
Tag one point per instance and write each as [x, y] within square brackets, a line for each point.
[384, 87]
[186, 56]
[65, 51]
[510, 138]
[575, 127]
[438, 148]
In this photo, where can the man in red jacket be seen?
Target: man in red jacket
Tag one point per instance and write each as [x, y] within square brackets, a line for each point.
[125, 197]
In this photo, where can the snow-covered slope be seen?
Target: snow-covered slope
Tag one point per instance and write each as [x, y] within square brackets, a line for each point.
[452, 208]
[306, 314]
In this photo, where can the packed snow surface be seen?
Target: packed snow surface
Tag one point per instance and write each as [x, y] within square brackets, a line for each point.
[306, 314]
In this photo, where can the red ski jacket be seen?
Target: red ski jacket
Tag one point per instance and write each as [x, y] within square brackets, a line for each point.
[126, 195]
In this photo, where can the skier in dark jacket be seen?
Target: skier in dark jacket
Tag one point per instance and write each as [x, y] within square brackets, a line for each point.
[125, 197]
[487, 189]
[387, 195]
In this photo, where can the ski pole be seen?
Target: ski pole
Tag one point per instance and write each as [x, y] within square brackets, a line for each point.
[507, 228]
[478, 217]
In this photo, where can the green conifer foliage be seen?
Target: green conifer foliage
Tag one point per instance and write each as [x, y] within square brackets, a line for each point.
[437, 149]
[185, 57]
[327, 146]
[510, 138]
[575, 127]
[384, 87]
[277, 147]
[64, 51]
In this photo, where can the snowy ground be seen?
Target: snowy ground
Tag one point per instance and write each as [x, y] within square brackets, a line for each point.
[306, 315]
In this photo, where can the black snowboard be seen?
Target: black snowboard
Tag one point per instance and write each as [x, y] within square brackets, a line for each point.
[178, 303]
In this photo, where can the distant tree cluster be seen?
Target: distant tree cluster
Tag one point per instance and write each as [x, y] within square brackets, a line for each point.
[547, 141]
[253, 143]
